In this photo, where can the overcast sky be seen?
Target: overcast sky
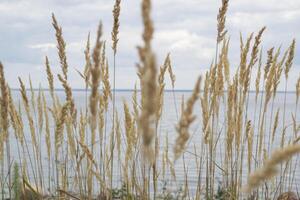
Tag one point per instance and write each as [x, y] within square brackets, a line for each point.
[186, 28]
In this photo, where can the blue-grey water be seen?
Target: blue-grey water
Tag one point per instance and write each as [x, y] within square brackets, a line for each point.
[166, 128]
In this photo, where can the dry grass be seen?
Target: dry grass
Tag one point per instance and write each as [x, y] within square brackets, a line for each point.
[106, 153]
[269, 169]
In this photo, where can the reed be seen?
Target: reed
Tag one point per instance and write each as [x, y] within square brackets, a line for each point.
[148, 73]
[218, 148]
[269, 169]
[185, 120]
[61, 46]
[4, 110]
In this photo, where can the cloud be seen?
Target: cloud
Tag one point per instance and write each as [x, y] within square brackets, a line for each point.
[186, 28]
[43, 47]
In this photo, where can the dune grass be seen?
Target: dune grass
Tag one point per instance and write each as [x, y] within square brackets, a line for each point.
[96, 153]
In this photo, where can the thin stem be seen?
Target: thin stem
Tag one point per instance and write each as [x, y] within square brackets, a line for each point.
[8, 167]
[113, 118]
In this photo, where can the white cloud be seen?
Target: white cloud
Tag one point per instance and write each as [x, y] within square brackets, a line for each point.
[188, 49]
[43, 47]
[186, 28]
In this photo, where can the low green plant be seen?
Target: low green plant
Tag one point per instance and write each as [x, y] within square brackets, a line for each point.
[122, 193]
[16, 183]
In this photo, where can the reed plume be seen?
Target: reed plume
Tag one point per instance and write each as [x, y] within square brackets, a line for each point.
[47, 128]
[225, 60]
[243, 62]
[219, 86]
[87, 67]
[269, 169]
[15, 119]
[40, 110]
[49, 77]
[249, 135]
[221, 18]
[61, 46]
[135, 104]
[148, 71]
[171, 74]
[255, 48]
[270, 78]
[69, 95]
[59, 128]
[297, 90]
[275, 125]
[101, 117]
[28, 113]
[289, 61]
[130, 134]
[161, 82]
[95, 78]
[107, 94]
[230, 118]
[205, 109]
[278, 72]
[4, 111]
[185, 121]
[258, 76]
[269, 62]
[4, 104]
[82, 125]
[115, 31]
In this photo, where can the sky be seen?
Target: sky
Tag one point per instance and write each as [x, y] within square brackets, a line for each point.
[185, 28]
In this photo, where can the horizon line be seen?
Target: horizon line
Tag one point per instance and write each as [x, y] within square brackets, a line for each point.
[130, 90]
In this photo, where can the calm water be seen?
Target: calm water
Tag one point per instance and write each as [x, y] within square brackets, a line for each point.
[167, 127]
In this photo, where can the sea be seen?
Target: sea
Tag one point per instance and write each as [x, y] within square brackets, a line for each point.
[187, 166]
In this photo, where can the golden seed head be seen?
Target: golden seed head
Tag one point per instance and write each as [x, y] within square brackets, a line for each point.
[148, 73]
[185, 121]
[61, 46]
[221, 18]
[115, 31]
[4, 104]
[49, 77]
[297, 89]
[289, 61]
[269, 169]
